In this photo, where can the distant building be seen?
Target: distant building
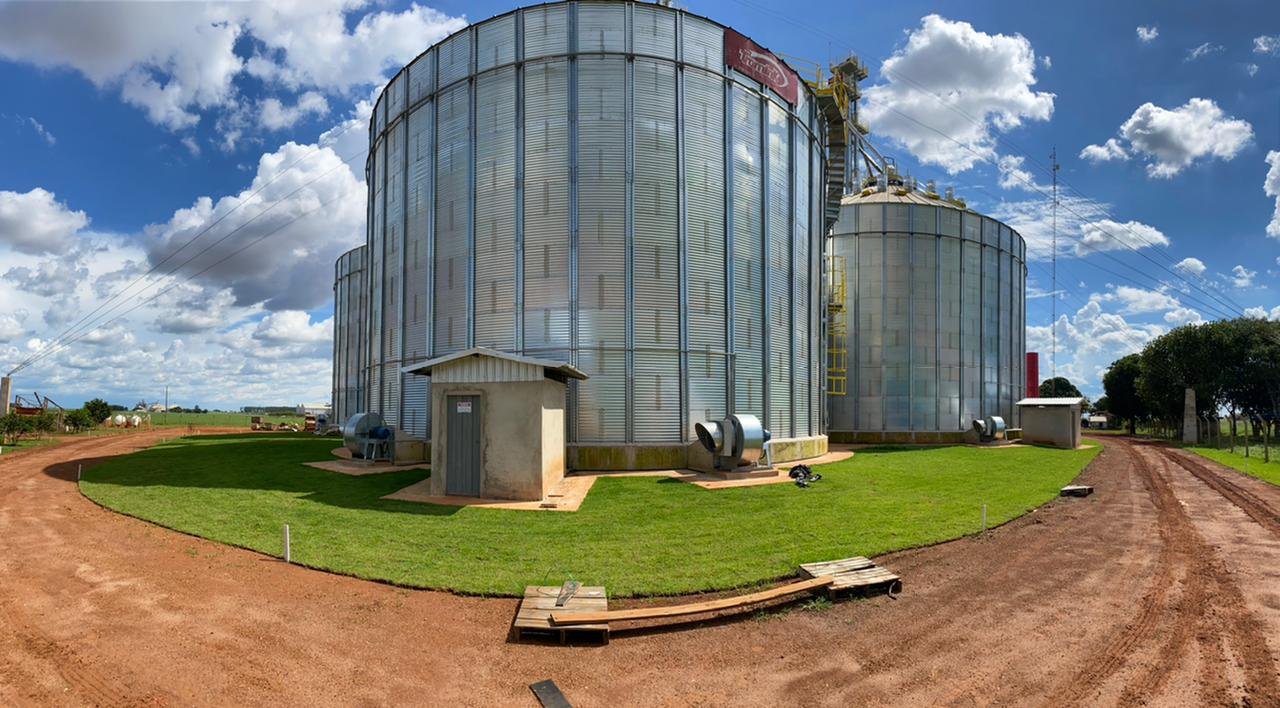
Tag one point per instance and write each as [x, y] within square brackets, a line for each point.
[313, 409]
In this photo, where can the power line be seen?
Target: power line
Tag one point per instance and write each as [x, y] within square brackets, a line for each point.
[88, 323]
[63, 346]
[1230, 305]
[202, 232]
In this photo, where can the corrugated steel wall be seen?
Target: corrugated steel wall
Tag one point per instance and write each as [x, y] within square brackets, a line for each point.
[534, 189]
[349, 320]
[936, 296]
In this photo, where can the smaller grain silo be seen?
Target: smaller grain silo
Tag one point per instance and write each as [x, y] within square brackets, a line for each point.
[935, 298]
[350, 317]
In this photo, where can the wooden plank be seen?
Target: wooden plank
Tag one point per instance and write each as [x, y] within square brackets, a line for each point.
[814, 570]
[534, 613]
[574, 618]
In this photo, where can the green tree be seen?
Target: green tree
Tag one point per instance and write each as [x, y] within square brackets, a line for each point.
[14, 427]
[98, 410]
[1121, 384]
[1059, 387]
[1201, 357]
[79, 419]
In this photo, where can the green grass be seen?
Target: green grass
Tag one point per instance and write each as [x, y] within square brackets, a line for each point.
[213, 420]
[28, 443]
[1252, 465]
[636, 536]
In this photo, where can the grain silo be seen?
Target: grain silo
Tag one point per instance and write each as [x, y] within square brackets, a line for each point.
[349, 320]
[935, 302]
[624, 187]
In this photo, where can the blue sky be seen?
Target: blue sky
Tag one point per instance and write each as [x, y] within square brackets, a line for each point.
[125, 129]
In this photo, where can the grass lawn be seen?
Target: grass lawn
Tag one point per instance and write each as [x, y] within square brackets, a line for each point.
[1252, 465]
[636, 536]
[27, 444]
[214, 420]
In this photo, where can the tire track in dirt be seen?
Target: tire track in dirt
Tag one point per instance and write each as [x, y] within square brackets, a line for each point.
[1209, 605]
[1115, 653]
[1253, 505]
[1238, 626]
[1192, 601]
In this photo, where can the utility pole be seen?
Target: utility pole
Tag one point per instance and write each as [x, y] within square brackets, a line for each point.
[1053, 329]
[166, 404]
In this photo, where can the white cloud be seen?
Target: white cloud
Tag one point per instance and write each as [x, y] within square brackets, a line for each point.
[1261, 313]
[1251, 69]
[1110, 150]
[1203, 50]
[1267, 44]
[191, 145]
[1271, 187]
[1175, 139]
[1181, 316]
[1013, 176]
[12, 326]
[274, 115]
[1046, 61]
[1033, 219]
[1242, 277]
[36, 222]
[308, 44]
[1146, 35]
[1089, 342]
[52, 277]
[42, 131]
[1108, 235]
[1137, 301]
[985, 79]
[174, 60]
[293, 327]
[312, 207]
[1194, 266]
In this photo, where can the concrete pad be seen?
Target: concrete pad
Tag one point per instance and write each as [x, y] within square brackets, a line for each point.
[569, 493]
[712, 481]
[565, 495]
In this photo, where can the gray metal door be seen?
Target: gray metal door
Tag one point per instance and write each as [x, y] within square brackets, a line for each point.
[462, 459]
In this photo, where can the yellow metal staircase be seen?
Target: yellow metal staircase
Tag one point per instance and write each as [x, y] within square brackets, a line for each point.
[837, 329]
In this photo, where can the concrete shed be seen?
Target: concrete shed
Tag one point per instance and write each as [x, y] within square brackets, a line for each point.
[499, 423]
[1051, 421]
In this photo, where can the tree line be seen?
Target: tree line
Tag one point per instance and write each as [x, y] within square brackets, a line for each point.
[1233, 366]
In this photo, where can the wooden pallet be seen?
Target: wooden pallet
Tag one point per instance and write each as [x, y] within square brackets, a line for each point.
[561, 617]
[851, 575]
[533, 618]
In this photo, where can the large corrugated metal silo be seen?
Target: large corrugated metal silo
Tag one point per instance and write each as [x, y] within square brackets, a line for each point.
[935, 298]
[622, 186]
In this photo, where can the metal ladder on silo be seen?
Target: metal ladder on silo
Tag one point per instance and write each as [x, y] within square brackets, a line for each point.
[837, 329]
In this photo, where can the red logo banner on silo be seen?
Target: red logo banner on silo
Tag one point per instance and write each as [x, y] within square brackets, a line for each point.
[757, 62]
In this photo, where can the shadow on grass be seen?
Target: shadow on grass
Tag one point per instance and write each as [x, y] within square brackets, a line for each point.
[271, 463]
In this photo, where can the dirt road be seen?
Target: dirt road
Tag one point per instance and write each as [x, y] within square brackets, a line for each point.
[1163, 587]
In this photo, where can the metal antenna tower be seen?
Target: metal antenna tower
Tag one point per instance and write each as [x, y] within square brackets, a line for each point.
[1053, 328]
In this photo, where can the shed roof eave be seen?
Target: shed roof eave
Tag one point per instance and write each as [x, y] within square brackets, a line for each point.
[424, 368]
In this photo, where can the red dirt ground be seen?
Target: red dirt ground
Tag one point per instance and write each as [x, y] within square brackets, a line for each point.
[1163, 587]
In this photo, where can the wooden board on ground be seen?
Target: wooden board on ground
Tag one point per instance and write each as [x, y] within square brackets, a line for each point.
[853, 574]
[1076, 490]
[533, 618]
[560, 617]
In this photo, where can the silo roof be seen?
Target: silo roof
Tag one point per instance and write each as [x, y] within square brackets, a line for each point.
[905, 197]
